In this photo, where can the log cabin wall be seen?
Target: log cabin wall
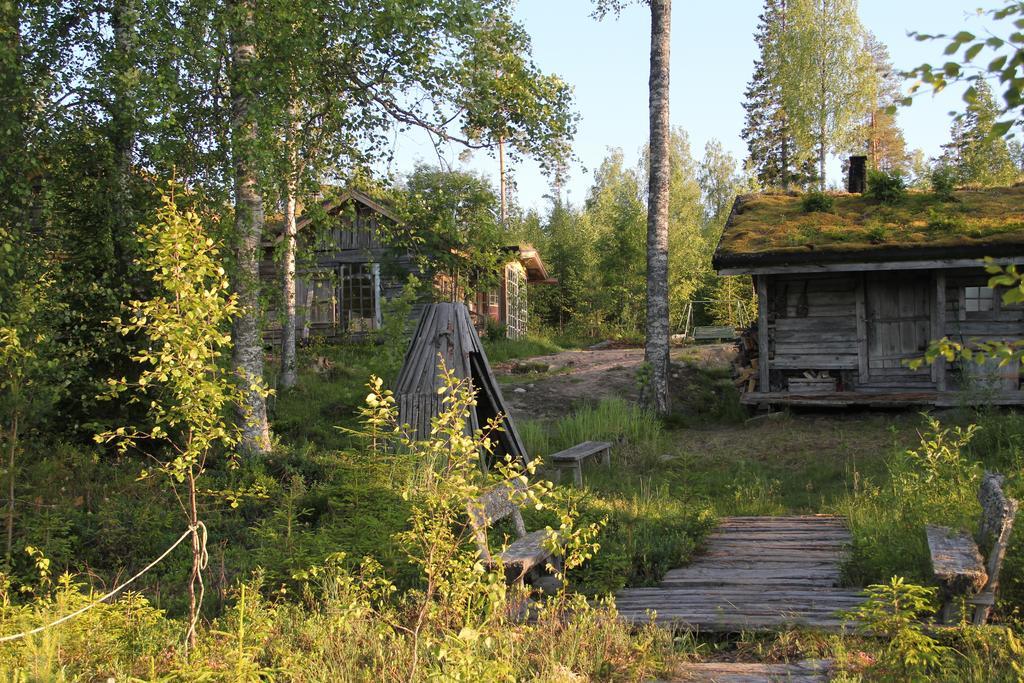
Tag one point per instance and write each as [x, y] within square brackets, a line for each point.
[812, 322]
[861, 329]
[858, 328]
[974, 311]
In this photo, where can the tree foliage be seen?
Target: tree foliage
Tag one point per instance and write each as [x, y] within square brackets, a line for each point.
[184, 383]
[772, 154]
[975, 154]
[1004, 52]
[826, 76]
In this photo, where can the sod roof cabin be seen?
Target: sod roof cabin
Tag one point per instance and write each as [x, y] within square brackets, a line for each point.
[846, 298]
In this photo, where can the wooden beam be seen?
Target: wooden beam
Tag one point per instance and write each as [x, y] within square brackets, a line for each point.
[862, 333]
[861, 267]
[939, 327]
[762, 333]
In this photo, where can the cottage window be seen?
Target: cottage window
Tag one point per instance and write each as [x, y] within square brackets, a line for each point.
[978, 299]
[360, 283]
[492, 298]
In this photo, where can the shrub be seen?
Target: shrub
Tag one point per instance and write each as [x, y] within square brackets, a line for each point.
[933, 484]
[892, 610]
[943, 183]
[887, 188]
[815, 201]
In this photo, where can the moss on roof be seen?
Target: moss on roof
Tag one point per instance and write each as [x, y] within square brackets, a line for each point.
[774, 228]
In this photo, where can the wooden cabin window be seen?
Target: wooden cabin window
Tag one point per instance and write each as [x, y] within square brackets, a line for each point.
[360, 286]
[978, 300]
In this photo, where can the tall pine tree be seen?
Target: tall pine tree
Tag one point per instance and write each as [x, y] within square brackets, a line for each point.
[771, 149]
[883, 139]
[975, 154]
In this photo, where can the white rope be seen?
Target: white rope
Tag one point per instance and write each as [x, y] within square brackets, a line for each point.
[204, 559]
[67, 617]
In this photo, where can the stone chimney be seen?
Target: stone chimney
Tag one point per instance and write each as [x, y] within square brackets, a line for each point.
[858, 180]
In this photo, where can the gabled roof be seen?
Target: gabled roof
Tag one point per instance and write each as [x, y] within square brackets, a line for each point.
[773, 230]
[536, 271]
[332, 206]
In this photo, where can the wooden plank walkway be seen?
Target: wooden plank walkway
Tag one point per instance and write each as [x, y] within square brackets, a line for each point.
[810, 671]
[755, 574]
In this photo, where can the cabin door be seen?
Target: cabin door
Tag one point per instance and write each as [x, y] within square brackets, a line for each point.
[898, 309]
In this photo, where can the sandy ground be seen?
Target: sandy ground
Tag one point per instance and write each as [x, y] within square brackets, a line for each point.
[578, 376]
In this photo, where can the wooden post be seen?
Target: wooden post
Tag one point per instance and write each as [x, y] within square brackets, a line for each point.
[863, 370]
[764, 383]
[939, 327]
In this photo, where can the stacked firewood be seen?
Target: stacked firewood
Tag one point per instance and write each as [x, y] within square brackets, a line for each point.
[745, 364]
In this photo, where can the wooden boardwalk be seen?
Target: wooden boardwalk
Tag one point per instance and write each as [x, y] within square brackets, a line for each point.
[812, 671]
[755, 574]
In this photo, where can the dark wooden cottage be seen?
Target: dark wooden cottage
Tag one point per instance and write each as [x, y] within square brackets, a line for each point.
[846, 298]
[346, 269]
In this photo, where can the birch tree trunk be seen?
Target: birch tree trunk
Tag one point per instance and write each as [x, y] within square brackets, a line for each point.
[656, 347]
[289, 361]
[249, 216]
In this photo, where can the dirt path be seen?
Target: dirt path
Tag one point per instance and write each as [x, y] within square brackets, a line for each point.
[579, 376]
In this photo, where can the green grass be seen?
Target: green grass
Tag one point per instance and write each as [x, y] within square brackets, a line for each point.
[319, 494]
[331, 388]
[504, 349]
[612, 419]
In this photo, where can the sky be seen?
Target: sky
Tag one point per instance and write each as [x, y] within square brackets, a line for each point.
[713, 53]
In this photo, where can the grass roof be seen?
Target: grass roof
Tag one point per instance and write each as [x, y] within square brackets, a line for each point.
[770, 229]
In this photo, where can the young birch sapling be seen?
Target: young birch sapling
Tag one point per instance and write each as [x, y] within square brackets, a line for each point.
[184, 382]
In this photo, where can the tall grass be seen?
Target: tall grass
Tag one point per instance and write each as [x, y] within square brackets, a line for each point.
[651, 528]
[612, 419]
[936, 483]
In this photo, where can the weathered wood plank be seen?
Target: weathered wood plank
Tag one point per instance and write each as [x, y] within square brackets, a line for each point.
[755, 573]
[807, 268]
[809, 671]
[861, 321]
[958, 565]
[581, 451]
[938, 325]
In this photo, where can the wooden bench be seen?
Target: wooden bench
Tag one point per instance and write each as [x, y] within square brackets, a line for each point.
[957, 560]
[713, 332]
[572, 458]
[523, 558]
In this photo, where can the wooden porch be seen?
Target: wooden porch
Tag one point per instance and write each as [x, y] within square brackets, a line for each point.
[879, 399]
[755, 574]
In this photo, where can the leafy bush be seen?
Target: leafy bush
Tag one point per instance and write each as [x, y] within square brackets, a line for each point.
[887, 188]
[943, 181]
[935, 484]
[348, 620]
[815, 201]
